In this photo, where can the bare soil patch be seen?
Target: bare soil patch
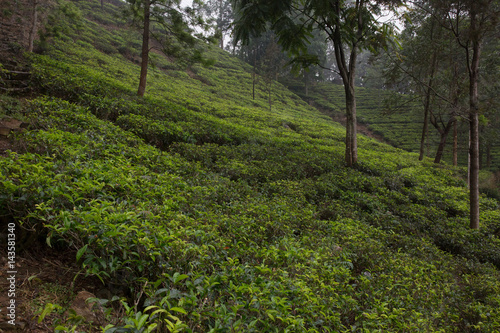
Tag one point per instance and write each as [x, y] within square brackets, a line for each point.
[43, 275]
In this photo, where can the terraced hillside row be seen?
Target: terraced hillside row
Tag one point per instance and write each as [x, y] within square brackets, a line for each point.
[199, 209]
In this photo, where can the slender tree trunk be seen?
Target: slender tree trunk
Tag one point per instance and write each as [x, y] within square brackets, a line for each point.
[428, 145]
[481, 153]
[305, 83]
[468, 159]
[347, 72]
[145, 50]
[253, 73]
[454, 88]
[220, 20]
[33, 26]
[442, 143]
[424, 129]
[474, 172]
[427, 103]
[455, 143]
[474, 124]
[270, 92]
[351, 151]
[488, 155]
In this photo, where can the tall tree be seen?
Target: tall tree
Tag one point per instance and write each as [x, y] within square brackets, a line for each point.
[472, 49]
[490, 135]
[170, 27]
[428, 64]
[317, 48]
[222, 13]
[34, 19]
[254, 52]
[470, 21]
[350, 26]
[145, 49]
[270, 66]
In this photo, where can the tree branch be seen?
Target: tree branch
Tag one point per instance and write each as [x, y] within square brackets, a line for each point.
[418, 80]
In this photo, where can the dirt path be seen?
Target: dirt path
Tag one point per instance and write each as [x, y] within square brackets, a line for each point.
[341, 118]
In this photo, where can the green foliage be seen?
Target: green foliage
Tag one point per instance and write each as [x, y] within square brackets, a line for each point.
[10, 106]
[211, 213]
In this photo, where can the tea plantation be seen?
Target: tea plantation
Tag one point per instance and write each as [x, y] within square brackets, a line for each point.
[207, 211]
[397, 119]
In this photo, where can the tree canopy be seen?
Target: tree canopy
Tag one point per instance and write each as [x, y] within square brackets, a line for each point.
[350, 26]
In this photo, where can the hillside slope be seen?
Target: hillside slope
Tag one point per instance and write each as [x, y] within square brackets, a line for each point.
[204, 210]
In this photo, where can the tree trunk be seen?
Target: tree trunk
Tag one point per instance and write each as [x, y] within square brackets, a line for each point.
[474, 171]
[351, 151]
[455, 143]
[347, 72]
[145, 50]
[442, 142]
[220, 26]
[474, 123]
[481, 153]
[270, 92]
[253, 73]
[488, 155]
[427, 102]
[33, 26]
[424, 130]
[305, 82]
[468, 161]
